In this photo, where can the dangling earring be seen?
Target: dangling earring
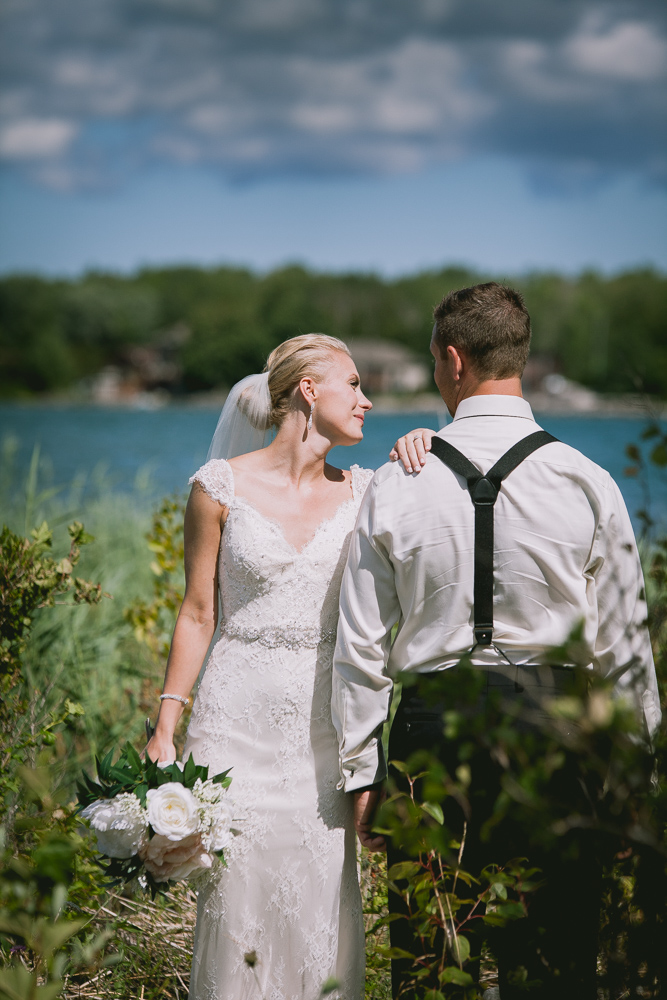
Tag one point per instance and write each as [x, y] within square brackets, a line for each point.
[309, 425]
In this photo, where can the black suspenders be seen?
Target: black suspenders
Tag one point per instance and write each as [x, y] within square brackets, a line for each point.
[483, 493]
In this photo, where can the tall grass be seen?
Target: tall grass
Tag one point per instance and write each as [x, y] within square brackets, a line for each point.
[88, 654]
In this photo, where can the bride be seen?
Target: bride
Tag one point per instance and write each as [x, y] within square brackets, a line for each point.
[266, 536]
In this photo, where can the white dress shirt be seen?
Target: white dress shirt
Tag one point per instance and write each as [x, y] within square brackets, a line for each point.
[565, 556]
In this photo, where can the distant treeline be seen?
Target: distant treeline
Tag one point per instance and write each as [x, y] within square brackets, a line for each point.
[608, 333]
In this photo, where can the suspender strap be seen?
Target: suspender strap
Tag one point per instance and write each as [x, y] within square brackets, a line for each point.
[483, 491]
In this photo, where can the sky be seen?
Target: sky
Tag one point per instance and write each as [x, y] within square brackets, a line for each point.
[384, 135]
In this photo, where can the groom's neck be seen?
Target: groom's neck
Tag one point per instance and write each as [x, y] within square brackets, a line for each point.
[488, 387]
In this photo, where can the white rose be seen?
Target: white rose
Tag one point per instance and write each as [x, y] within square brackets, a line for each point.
[173, 811]
[166, 860]
[119, 824]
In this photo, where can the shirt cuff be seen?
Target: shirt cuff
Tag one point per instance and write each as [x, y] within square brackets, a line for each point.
[364, 769]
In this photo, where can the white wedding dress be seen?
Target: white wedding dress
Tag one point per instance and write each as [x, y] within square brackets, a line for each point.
[290, 893]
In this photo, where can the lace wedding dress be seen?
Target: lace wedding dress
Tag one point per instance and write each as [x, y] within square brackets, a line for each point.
[289, 899]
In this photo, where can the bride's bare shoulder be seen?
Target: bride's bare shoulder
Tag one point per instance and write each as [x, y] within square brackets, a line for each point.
[247, 468]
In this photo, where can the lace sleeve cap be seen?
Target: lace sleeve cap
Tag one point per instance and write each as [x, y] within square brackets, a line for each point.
[360, 480]
[217, 480]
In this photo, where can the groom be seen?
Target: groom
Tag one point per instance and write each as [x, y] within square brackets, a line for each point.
[422, 556]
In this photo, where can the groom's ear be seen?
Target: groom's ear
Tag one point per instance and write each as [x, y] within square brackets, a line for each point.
[457, 362]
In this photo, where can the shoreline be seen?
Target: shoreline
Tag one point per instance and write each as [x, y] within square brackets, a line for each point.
[639, 407]
[580, 403]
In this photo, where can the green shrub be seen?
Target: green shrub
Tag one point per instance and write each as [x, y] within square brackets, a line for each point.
[39, 840]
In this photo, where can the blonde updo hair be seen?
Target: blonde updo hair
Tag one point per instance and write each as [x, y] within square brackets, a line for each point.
[306, 356]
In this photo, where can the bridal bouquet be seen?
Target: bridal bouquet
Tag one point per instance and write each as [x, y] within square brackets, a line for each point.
[155, 822]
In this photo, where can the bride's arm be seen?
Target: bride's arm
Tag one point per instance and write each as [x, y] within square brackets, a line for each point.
[412, 447]
[197, 617]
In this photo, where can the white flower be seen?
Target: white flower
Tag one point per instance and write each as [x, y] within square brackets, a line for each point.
[172, 811]
[208, 791]
[166, 860]
[220, 834]
[120, 825]
[215, 812]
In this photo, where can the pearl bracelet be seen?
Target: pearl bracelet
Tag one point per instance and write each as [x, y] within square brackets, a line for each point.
[175, 697]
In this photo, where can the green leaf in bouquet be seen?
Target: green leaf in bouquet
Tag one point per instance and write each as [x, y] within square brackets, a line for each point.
[222, 778]
[170, 773]
[118, 871]
[176, 773]
[104, 765]
[88, 791]
[141, 791]
[133, 759]
[123, 777]
[151, 773]
[189, 772]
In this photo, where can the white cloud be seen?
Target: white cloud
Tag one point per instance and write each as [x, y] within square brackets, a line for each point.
[36, 138]
[259, 87]
[325, 117]
[628, 50]
[415, 88]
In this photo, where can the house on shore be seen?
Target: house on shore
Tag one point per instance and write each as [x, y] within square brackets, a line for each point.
[385, 366]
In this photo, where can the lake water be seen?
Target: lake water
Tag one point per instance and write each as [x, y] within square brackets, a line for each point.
[164, 447]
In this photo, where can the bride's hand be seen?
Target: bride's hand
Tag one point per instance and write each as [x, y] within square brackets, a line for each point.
[411, 449]
[161, 748]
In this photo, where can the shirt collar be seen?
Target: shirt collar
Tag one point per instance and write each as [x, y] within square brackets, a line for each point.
[494, 406]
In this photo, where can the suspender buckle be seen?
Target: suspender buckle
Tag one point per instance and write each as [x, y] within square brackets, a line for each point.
[483, 635]
[484, 493]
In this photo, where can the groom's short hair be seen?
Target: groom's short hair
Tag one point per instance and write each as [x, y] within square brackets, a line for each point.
[490, 323]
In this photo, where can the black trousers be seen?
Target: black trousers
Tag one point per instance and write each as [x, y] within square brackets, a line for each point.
[555, 946]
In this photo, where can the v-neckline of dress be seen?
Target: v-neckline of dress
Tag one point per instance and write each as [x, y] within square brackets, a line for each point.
[243, 501]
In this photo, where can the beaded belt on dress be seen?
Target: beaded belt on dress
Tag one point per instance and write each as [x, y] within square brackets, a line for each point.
[273, 636]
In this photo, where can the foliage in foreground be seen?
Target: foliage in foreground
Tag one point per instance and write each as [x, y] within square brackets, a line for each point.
[39, 841]
[153, 620]
[584, 773]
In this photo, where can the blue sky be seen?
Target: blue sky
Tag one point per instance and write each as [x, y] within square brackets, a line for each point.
[345, 134]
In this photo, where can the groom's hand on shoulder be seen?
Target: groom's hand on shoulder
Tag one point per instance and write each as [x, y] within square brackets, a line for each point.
[366, 803]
